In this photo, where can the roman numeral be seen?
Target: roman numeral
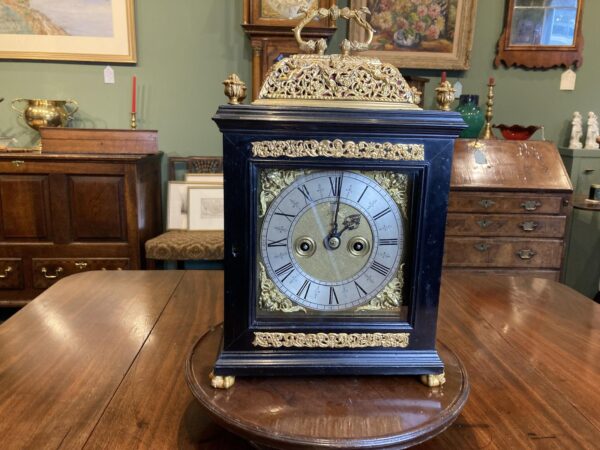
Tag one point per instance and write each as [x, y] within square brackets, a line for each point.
[304, 191]
[380, 268]
[288, 268]
[363, 193]
[361, 291]
[279, 243]
[304, 288]
[336, 185]
[381, 214]
[289, 217]
[333, 296]
[388, 241]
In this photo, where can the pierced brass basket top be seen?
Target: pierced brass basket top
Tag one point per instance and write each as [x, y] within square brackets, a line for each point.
[339, 80]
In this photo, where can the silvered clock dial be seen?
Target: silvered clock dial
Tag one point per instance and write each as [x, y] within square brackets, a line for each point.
[331, 240]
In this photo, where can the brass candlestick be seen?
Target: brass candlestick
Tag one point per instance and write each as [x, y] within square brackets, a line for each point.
[487, 132]
[133, 121]
[445, 95]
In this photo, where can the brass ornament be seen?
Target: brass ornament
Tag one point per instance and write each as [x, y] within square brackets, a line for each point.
[487, 132]
[395, 184]
[338, 149]
[235, 89]
[271, 298]
[271, 185]
[390, 298]
[330, 340]
[445, 95]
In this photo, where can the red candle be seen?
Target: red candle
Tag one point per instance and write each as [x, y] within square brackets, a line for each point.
[443, 77]
[492, 82]
[134, 95]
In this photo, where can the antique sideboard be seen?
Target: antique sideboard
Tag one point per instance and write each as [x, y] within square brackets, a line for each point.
[65, 213]
[508, 208]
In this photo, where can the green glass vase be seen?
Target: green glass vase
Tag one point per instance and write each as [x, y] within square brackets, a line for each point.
[468, 107]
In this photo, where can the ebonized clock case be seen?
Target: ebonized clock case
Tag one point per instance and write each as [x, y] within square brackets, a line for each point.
[242, 125]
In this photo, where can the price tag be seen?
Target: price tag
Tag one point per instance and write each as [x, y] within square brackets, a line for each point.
[567, 80]
[109, 75]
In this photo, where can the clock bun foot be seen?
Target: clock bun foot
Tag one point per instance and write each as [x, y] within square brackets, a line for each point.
[219, 382]
[433, 380]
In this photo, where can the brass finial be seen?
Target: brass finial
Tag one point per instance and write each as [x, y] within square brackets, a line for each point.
[444, 94]
[133, 121]
[235, 89]
[487, 132]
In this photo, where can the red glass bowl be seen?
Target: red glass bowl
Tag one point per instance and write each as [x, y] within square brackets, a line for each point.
[517, 132]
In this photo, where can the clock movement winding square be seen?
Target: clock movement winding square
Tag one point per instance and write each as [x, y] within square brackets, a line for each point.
[336, 193]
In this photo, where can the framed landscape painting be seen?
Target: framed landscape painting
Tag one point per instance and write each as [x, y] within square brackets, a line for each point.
[283, 13]
[420, 34]
[68, 30]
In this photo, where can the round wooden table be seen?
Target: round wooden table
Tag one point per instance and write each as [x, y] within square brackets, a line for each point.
[328, 412]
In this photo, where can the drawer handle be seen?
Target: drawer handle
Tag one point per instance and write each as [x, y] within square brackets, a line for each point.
[57, 273]
[531, 205]
[7, 271]
[18, 162]
[487, 203]
[528, 226]
[81, 265]
[484, 223]
[526, 254]
[482, 247]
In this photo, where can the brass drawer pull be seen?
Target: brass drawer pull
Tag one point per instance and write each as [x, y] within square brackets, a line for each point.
[526, 254]
[484, 223]
[57, 273]
[482, 247]
[531, 205]
[528, 226]
[81, 265]
[7, 271]
[118, 268]
[487, 203]
[18, 162]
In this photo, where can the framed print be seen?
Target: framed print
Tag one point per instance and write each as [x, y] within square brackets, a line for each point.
[68, 30]
[206, 178]
[420, 34]
[177, 205]
[206, 208]
[282, 13]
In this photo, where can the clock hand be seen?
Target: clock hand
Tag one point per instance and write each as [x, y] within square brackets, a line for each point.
[337, 208]
[350, 223]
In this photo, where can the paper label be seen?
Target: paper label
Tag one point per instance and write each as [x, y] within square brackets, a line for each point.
[567, 80]
[109, 75]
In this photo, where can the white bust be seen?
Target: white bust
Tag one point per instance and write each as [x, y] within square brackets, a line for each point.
[592, 132]
[576, 132]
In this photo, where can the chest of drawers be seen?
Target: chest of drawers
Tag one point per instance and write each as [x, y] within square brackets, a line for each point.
[508, 208]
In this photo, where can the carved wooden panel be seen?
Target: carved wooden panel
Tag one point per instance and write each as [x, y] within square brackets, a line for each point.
[97, 207]
[25, 211]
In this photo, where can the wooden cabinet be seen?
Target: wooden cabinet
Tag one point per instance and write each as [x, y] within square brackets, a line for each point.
[508, 208]
[62, 214]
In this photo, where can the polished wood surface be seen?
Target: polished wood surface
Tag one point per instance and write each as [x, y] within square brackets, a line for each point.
[508, 208]
[97, 361]
[328, 412]
[69, 213]
[87, 140]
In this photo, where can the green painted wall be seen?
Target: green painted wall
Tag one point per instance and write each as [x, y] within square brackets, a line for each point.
[186, 51]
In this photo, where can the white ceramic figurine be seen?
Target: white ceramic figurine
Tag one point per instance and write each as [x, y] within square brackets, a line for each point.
[576, 132]
[591, 141]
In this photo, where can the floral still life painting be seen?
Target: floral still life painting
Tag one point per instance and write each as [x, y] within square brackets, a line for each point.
[421, 33]
[78, 30]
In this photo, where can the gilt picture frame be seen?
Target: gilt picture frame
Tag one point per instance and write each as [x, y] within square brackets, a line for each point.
[282, 13]
[426, 34]
[68, 30]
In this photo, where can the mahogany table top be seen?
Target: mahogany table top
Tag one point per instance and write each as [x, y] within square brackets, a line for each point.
[97, 361]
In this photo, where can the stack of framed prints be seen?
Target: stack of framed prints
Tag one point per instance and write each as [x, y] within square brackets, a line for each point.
[196, 203]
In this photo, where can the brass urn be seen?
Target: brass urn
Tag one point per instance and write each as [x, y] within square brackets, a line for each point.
[46, 113]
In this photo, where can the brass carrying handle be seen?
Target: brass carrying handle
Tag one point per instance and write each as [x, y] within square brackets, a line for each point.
[319, 47]
[526, 254]
[7, 271]
[75, 109]
[57, 273]
[14, 108]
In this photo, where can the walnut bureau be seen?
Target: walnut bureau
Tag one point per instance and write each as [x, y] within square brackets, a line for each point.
[62, 214]
[508, 208]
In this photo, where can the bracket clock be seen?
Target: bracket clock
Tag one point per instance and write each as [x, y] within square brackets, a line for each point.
[336, 192]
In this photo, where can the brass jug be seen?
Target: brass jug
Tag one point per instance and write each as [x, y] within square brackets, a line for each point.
[46, 113]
